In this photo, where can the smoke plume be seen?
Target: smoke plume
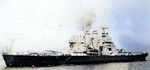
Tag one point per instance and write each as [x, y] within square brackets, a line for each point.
[88, 20]
[48, 24]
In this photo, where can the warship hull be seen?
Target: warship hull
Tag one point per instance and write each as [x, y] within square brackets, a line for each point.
[38, 61]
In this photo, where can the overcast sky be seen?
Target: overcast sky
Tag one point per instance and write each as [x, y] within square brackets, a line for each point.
[49, 24]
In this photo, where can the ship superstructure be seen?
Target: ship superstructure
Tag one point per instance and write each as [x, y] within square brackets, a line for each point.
[93, 44]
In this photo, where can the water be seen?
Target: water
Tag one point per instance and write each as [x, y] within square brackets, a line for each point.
[140, 65]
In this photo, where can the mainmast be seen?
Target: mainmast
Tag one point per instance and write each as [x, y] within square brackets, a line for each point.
[104, 32]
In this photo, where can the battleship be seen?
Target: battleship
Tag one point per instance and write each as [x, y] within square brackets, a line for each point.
[89, 48]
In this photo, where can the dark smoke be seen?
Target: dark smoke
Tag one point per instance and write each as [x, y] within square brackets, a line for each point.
[88, 20]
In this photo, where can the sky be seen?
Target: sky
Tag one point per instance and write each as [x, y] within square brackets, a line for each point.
[48, 24]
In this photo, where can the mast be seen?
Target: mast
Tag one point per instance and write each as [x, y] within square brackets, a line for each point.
[105, 36]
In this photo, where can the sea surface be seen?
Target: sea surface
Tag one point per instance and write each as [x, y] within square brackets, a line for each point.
[139, 65]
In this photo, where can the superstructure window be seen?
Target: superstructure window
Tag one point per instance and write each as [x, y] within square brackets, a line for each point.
[109, 49]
